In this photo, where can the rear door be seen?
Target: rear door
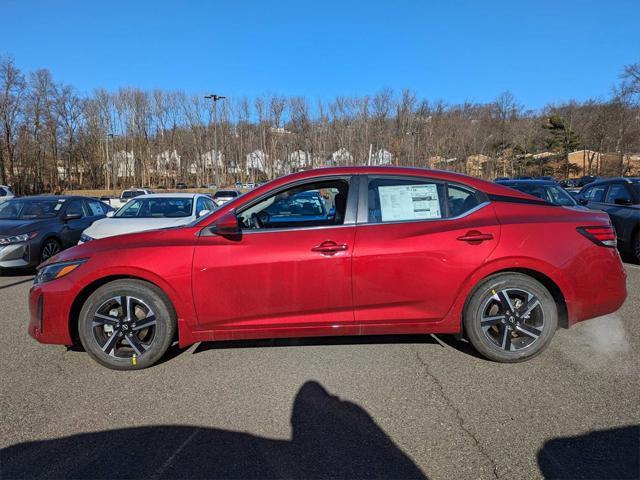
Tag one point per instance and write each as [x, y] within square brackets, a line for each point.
[622, 206]
[417, 240]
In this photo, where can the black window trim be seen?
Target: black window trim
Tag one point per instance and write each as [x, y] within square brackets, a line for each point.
[363, 207]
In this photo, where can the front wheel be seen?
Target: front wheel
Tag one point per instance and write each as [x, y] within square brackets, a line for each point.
[127, 324]
[510, 317]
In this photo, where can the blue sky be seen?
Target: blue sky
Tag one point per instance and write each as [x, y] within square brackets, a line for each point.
[542, 51]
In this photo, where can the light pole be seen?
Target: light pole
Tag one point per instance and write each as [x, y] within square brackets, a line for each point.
[215, 99]
[113, 177]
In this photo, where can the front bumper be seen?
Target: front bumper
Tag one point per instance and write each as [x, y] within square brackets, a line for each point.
[20, 255]
[50, 307]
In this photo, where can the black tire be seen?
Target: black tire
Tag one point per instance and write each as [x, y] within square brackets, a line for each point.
[49, 248]
[113, 338]
[500, 328]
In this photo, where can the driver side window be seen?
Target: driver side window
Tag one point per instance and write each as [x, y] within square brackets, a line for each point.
[309, 205]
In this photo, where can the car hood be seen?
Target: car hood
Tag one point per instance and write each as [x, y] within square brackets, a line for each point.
[108, 227]
[17, 227]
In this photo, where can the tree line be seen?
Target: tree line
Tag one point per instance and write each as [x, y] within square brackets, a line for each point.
[53, 138]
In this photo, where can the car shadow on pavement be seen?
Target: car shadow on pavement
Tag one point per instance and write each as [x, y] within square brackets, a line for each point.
[13, 284]
[613, 453]
[316, 341]
[332, 438]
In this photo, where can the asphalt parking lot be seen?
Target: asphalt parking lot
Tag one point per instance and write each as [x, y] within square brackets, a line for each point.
[373, 407]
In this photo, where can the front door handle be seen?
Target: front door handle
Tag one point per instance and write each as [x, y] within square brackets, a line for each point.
[329, 247]
[475, 236]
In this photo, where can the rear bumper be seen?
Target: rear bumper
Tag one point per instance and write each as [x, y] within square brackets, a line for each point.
[599, 284]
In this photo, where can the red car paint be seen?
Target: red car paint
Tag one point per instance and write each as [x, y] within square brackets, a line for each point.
[411, 277]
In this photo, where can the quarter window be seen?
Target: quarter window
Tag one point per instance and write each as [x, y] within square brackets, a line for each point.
[618, 191]
[460, 200]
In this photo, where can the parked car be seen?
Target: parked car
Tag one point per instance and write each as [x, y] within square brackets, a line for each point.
[549, 191]
[181, 186]
[501, 179]
[586, 180]
[405, 251]
[125, 196]
[223, 196]
[151, 212]
[33, 229]
[5, 193]
[620, 198]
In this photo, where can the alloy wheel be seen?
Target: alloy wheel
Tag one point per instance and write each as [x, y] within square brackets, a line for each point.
[49, 250]
[512, 319]
[124, 326]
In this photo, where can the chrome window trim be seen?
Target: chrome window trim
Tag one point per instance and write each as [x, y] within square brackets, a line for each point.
[363, 207]
[350, 213]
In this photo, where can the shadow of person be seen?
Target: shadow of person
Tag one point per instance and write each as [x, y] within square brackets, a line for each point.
[332, 438]
[613, 453]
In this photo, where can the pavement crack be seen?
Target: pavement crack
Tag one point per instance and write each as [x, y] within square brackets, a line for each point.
[458, 415]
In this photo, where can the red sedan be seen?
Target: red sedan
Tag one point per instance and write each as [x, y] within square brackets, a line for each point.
[340, 251]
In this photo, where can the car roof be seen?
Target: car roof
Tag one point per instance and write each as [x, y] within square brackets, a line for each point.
[486, 186]
[607, 181]
[170, 195]
[51, 197]
[533, 181]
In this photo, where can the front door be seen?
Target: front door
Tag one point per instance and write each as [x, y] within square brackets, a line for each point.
[287, 273]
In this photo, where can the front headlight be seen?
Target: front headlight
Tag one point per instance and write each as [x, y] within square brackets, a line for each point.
[54, 271]
[85, 238]
[18, 238]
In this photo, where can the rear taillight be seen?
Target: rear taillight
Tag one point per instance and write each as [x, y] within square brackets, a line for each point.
[603, 236]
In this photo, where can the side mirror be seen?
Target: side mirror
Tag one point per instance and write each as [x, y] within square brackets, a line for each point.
[110, 214]
[225, 226]
[202, 213]
[583, 201]
[71, 216]
[623, 201]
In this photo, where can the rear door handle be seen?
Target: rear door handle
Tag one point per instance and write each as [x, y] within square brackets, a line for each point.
[329, 247]
[474, 236]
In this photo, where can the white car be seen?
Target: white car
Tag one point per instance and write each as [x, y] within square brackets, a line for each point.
[5, 194]
[223, 196]
[151, 212]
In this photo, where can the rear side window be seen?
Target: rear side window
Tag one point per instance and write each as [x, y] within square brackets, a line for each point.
[398, 200]
[595, 194]
[97, 208]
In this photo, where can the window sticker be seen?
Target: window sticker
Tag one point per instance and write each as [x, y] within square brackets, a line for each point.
[409, 202]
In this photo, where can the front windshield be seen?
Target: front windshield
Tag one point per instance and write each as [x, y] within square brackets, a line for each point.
[156, 208]
[549, 193]
[27, 209]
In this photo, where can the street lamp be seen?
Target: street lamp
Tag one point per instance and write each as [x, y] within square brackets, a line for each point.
[215, 99]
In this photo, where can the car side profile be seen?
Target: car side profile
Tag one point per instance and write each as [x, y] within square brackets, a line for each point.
[396, 250]
[151, 212]
[620, 198]
[33, 229]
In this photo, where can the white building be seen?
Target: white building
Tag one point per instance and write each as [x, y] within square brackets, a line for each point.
[341, 157]
[122, 164]
[256, 162]
[382, 157]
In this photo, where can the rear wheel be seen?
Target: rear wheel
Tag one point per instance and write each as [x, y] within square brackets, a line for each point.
[510, 317]
[127, 324]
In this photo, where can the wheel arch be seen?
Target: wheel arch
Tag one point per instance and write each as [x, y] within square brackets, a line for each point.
[551, 278]
[87, 290]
